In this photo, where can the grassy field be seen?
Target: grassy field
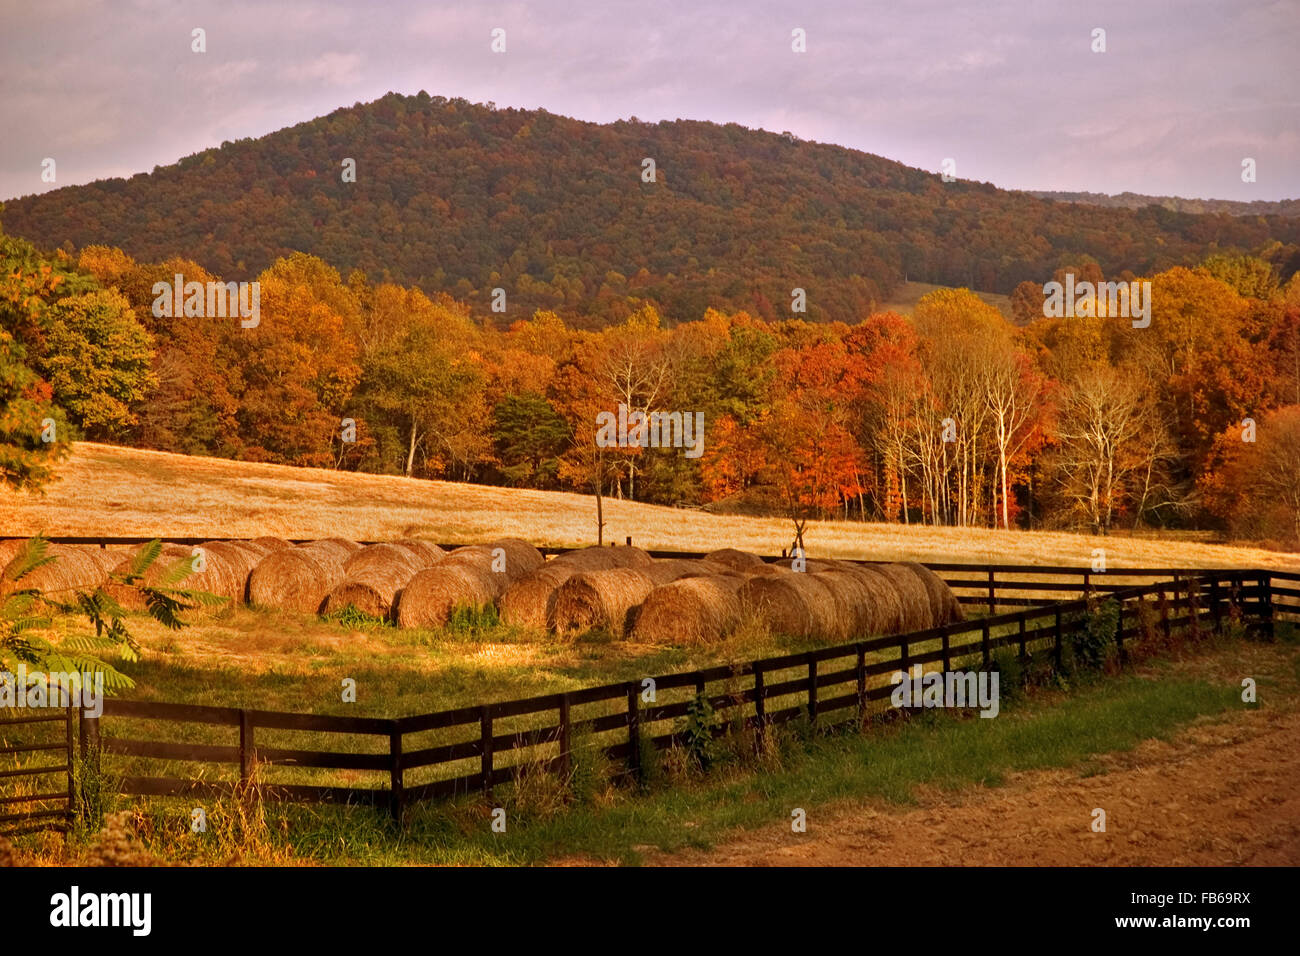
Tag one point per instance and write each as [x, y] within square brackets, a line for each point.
[905, 297]
[894, 764]
[104, 489]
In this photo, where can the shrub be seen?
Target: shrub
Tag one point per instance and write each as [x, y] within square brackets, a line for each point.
[701, 722]
[1094, 644]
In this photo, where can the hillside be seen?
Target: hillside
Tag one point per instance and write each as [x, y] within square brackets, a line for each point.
[1232, 207]
[108, 490]
[466, 198]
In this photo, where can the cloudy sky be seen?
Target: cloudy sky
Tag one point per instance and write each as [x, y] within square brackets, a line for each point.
[1010, 89]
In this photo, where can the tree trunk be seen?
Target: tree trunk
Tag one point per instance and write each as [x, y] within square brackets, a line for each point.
[1002, 465]
[410, 455]
[600, 505]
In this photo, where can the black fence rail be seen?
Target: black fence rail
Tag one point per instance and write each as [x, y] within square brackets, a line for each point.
[478, 748]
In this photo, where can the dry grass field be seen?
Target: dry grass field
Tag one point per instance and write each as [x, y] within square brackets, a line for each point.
[905, 297]
[108, 490]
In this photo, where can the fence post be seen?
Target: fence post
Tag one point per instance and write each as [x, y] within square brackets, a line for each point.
[1216, 611]
[485, 749]
[760, 708]
[812, 689]
[944, 643]
[395, 787]
[565, 742]
[88, 734]
[246, 744]
[1164, 615]
[1119, 632]
[984, 643]
[1194, 604]
[992, 593]
[862, 684]
[1024, 651]
[1056, 651]
[70, 716]
[1267, 609]
[633, 732]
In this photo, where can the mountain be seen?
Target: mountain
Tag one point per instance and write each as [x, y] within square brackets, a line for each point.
[466, 198]
[1259, 207]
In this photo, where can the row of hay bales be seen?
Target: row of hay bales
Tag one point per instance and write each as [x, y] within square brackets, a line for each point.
[675, 601]
[621, 589]
[224, 569]
[412, 582]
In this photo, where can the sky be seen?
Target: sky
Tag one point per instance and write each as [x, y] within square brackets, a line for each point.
[1010, 90]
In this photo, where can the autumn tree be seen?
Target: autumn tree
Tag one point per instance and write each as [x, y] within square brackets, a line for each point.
[32, 427]
[97, 358]
[427, 385]
[1255, 489]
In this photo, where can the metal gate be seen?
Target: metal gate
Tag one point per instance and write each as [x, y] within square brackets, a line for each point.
[36, 779]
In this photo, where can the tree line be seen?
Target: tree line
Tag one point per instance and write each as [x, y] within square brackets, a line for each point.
[952, 416]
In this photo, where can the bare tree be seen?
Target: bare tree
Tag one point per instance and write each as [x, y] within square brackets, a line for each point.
[1101, 424]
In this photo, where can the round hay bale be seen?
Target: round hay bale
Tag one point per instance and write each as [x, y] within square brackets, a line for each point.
[272, 543]
[371, 579]
[912, 596]
[349, 546]
[666, 570]
[813, 565]
[796, 604]
[107, 558]
[474, 555]
[426, 553]
[767, 568]
[853, 596]
[431, 596]
[526, 603]
[129, 597]
[225, 570]
[10, 547]
[338, 548]
[74, 568]
[591, 599]
[600, 559]
[944, 606]
[694, 610]
[521, 558]
[734, 559]
[886, 606]
[249, 547]
[296, 579]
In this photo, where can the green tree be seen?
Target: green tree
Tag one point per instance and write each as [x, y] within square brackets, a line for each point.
[97, 359]
[424, 386]
[529, 436]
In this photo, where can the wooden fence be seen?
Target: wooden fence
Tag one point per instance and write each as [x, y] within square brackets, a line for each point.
[478, 748]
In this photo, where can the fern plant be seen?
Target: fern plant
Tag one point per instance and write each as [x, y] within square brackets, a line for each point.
[26, 612]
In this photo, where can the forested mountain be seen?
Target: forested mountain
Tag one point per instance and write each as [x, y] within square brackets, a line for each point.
[464, 198]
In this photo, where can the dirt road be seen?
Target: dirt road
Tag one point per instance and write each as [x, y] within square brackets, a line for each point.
[1223, 793]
